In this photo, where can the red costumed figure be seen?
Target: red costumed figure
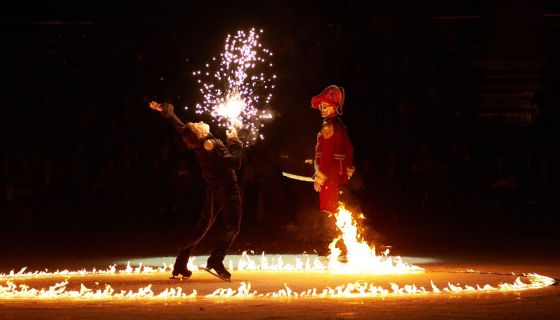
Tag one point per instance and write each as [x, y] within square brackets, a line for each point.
[333, 152]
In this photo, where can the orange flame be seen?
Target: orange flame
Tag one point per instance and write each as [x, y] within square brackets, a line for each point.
[350, 290]
[361, 258]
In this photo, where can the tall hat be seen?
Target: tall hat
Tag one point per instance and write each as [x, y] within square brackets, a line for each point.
[333, 95]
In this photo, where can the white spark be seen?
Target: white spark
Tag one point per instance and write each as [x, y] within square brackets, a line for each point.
[237, 86]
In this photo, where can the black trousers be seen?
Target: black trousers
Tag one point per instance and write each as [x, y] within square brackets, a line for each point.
[227, 201]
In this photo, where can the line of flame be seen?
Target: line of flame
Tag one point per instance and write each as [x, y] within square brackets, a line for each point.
[350, 290]
[112, 269]
[246, 262]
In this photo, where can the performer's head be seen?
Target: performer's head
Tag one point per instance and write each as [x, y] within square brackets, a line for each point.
[329, 102]
[193, 133]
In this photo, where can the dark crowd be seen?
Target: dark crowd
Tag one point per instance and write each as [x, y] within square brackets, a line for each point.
[82, 151]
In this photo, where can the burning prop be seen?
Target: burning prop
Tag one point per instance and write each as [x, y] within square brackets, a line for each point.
[360, 257]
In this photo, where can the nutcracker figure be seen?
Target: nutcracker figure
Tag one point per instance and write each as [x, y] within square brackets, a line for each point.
[334, 151]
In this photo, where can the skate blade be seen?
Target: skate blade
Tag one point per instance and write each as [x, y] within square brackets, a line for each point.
[179, 277]
[215, 274]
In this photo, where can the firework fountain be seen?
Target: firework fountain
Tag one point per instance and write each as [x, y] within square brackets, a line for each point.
[237, 86]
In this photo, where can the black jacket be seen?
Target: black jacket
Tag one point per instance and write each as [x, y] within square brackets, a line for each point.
[218, 164]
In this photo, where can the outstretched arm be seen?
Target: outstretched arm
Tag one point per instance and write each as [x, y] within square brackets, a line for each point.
[167, 111]
[235, 146]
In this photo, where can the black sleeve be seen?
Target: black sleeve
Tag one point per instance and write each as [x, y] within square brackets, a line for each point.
[168, 113]
[232, 158]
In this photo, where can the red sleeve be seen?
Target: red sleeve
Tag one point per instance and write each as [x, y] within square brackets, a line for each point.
[349, 151]
[329, 164]
[318, 151]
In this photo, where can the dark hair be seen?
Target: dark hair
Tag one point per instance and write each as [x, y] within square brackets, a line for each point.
[189, 137]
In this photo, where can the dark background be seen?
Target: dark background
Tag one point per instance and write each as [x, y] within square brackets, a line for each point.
[452, 107]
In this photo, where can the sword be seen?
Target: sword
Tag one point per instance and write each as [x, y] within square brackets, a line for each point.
[298, 177]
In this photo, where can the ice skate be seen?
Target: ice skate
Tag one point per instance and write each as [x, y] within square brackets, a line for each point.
[217, 269]
[180, 273]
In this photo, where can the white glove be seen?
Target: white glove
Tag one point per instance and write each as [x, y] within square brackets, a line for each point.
[350, 172]
[319, 180]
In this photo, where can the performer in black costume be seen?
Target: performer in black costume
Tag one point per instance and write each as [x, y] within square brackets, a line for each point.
[218, 163]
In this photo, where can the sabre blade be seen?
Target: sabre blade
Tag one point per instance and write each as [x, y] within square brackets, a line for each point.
[298, 177]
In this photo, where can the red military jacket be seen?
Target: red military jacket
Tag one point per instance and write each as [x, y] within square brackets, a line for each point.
[334, 151]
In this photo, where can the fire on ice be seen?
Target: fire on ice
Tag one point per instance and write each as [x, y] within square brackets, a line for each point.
[360, 257]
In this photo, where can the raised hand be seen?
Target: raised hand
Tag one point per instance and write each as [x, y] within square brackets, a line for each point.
[156, 106]
[231, 133]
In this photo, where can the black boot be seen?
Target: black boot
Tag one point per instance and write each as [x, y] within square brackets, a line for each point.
[180, 266]
[183, 271]
[218, 266]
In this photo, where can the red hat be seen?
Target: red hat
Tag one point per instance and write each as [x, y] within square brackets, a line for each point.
[333, 95]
